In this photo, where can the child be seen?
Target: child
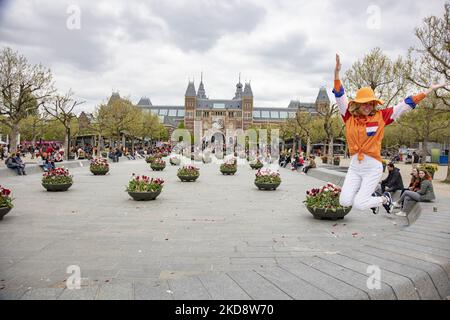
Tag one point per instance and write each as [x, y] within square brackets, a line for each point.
[364, 132]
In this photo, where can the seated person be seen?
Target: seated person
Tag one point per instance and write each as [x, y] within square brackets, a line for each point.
[394, 181]
[414, 184]
[311, 164]
[15, 162]
[409, 198]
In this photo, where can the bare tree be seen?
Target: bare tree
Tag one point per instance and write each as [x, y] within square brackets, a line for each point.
[389, 79]
[328, 114]
[433, 58]
[20, 85]
[61, 108]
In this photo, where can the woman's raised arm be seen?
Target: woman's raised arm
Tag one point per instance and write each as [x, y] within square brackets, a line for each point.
[338, 89]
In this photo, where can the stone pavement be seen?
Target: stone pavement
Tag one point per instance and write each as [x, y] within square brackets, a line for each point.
[217, 238]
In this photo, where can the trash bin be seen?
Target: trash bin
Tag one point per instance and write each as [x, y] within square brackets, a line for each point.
[443, 160]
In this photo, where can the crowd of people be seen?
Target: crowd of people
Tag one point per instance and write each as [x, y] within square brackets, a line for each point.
[297, 161]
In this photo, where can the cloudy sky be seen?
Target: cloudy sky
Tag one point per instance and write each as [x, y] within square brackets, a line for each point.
[151, 48]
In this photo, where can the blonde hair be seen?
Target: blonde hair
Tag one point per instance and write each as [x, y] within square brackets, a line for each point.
[353, 108]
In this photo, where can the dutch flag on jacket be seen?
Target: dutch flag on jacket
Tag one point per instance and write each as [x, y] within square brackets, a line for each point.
[371, 128]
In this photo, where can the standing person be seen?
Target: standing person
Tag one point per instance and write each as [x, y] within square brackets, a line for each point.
[1, 152]
[409, 198]
[364, 130]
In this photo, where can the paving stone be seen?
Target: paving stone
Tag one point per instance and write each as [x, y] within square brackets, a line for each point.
[115, 291]
[221, 287]
[331, 285]
[397, 276]
[349, 276]
[188, 289]
[257, 287]
[42, 294]
[293, 286]
[438, 276]
[152, 290]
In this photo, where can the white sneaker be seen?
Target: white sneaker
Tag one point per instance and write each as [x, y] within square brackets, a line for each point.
[400, 214]
[397, 205]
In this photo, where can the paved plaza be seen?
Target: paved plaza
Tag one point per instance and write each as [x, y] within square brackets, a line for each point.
[217, 238]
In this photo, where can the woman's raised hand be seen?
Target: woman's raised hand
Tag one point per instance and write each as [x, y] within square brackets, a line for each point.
[436, 86]
[337, 69]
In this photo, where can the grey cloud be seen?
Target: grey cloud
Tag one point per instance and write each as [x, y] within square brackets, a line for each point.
[198, 25]
[86, 48]
[293, 52]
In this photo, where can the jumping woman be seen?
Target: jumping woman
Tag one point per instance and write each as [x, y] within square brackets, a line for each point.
[364, 130]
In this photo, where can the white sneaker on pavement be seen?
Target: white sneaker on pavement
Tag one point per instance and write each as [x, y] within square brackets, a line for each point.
[400, 214]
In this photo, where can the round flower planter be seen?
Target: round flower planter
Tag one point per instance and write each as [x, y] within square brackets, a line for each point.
[57, 187]
[175, 162]
[144, 196]
[228, 172]
[329, 214]
[4, 211]
[99, 172]
[188, 178]
[256, 166]
[267, 186]
[157, 168]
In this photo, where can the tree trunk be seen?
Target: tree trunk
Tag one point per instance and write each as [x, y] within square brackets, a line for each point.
[330, 150]
[308, 146]
[67, 144]
[100, 145]
[424, 150]
[13, 139]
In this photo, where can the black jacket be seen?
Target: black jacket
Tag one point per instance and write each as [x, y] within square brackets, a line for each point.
[394, 180]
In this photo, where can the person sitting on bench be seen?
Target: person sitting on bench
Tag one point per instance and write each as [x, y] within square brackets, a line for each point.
[15, 162]
[394, 181]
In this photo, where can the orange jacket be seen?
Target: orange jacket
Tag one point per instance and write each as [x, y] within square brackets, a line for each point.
[365, 133]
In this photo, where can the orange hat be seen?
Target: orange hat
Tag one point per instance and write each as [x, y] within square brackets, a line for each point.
[364, 95]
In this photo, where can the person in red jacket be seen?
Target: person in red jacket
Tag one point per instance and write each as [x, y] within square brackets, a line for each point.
[364, 130]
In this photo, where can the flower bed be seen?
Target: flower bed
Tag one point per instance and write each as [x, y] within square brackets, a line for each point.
[99, 166]
[143, 188]
[256, 164]
[229, 167]
[150, 159]
[266, 179]
[58, 179]
[188, 173]
[5, 201]
[323, 202]
[336, 161]
[158, 164]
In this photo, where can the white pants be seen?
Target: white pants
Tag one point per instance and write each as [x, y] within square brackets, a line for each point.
[361, 182]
